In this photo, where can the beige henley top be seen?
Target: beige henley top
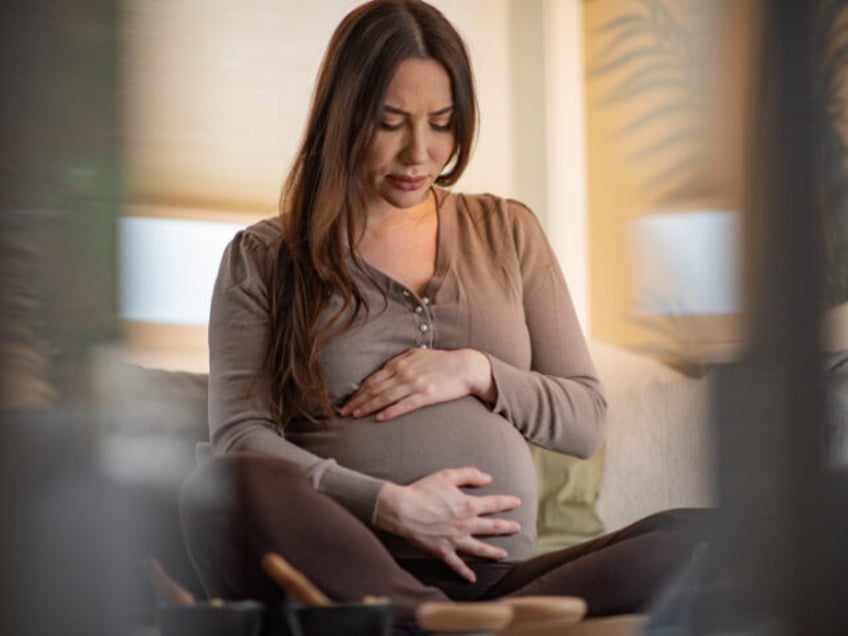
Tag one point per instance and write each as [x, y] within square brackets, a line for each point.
[497, 288]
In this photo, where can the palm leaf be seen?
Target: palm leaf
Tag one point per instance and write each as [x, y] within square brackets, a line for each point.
[649, 70]
[829, 15]
[657, 112]
[831, 28]
[684, 166]
[637, 88]
[651, 54]
[836, 31]
[626, 20]
[628, 57]
[672, 140]
[695, 187]
[635, 32]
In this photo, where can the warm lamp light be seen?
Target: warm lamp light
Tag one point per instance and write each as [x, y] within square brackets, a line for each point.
[686, 270]
[687, 263]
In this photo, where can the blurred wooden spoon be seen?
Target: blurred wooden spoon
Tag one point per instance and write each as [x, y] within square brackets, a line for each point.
[167, 590]
[463, 617]
[504, 614]
[538, 609]
[293, 582]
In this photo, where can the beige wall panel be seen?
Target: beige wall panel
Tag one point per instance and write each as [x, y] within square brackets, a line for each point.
[626, 180]
[215, 95]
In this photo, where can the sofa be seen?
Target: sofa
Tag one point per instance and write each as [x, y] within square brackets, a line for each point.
[657, 453]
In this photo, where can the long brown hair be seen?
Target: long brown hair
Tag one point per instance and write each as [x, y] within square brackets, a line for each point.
[321, 197]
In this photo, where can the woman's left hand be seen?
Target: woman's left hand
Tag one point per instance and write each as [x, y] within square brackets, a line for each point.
[419, 377]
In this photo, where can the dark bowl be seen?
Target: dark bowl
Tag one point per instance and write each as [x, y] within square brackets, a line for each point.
[341, 619]
[238, 618]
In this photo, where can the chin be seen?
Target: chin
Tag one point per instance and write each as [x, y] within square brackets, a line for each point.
[405, 200]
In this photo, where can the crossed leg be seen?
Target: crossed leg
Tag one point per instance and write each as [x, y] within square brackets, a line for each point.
[237, 508]
[619, 572]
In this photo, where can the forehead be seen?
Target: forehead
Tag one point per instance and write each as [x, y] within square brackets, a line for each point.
[420, 85]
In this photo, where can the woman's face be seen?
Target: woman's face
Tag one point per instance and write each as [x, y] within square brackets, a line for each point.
[414, 138]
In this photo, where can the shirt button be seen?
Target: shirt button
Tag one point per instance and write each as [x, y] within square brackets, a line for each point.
[419, 309]
[423, 346]
[425, 300]
[424, 328]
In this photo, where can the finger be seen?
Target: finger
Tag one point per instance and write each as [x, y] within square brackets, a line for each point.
[489, 504]
[376, 380]
[455, 563]
[387, 398]
[481, 549]
[466, 476]
[403, 406]
[399, 365]
[491, 527]
[369, 387]
[368, 393]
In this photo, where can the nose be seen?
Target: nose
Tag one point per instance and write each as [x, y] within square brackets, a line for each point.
[415, 149]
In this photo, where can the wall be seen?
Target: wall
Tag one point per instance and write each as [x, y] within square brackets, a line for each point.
[216, 94]
[665, 106]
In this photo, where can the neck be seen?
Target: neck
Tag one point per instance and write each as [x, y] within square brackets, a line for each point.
[391, 217]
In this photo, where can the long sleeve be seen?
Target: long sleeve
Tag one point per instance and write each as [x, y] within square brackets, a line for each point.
[558, 402]
[240, 409]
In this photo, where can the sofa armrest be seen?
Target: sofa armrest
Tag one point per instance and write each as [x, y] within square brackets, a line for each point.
[659, 451]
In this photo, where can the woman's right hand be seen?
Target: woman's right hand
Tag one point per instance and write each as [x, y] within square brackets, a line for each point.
[435, 515]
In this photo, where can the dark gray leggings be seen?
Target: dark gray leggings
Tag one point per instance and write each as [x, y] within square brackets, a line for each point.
[237, 508]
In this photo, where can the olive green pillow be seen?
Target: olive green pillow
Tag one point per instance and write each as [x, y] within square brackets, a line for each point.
[568, 491]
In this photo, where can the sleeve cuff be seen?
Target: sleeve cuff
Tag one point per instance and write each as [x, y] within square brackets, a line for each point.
[504, 377]
[355, 491]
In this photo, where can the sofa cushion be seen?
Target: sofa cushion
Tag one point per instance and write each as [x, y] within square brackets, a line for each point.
[659, 450]
[142, 400]
[151, 421]
[568, 494]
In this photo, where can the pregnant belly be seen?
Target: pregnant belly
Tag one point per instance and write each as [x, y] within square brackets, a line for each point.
[449, 435]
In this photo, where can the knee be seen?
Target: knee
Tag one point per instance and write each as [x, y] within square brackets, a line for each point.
[222, 481]
[222, 503]
[696, 522]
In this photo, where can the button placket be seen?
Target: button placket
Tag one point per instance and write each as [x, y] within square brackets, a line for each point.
[423, 318]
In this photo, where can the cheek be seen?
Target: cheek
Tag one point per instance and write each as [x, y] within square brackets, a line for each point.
[377, 156]
[446, 150]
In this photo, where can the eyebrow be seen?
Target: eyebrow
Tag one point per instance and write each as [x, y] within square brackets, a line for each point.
[435, 113]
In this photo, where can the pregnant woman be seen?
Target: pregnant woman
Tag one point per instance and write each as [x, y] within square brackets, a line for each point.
[382, 352]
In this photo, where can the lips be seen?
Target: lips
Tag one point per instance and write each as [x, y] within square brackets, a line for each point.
[407, 183]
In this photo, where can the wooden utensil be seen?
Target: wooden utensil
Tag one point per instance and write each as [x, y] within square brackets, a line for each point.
[293, 582]
[167, 590]
[464, 617]
[504, 614]
[537, 609]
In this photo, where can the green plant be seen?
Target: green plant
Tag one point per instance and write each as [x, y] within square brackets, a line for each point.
[830, 84]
